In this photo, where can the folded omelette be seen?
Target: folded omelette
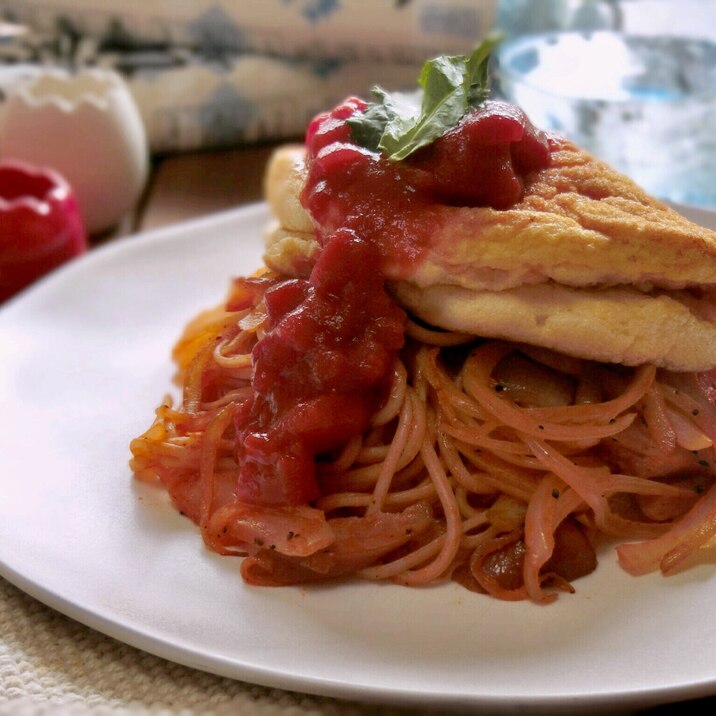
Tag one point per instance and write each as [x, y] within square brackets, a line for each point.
[585, 263]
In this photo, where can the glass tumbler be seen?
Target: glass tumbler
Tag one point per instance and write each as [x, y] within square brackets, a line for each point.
[640, 94]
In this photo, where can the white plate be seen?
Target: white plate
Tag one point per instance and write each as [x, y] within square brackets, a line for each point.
[84, 359]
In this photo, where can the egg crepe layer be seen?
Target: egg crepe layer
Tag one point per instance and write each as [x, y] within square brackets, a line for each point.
[586, 263]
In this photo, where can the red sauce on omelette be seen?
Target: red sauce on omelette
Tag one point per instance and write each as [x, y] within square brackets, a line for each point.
[482, 161]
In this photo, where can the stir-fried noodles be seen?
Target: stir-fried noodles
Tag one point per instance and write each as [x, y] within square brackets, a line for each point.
[501, 466]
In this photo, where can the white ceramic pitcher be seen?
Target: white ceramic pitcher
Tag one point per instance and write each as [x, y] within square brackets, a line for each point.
[87, 126]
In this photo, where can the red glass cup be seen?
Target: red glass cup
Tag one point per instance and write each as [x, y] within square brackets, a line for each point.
[40, 225]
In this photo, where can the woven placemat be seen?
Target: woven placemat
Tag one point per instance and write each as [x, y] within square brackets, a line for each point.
[50, 664]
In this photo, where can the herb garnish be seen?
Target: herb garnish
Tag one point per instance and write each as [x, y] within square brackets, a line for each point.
[399, 124]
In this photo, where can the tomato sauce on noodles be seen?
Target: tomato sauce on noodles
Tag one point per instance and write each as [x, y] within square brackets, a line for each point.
[320, 371]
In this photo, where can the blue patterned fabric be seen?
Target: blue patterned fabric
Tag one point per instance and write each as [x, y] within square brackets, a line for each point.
[207, 73]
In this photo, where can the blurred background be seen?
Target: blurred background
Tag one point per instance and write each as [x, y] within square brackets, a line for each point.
[209, 74]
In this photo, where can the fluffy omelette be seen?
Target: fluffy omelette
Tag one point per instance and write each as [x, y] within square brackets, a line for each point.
[586, 263]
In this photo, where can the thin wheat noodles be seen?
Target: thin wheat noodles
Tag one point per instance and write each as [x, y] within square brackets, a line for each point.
[465, 472]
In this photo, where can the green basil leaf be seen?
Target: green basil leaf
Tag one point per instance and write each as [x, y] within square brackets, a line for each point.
[450, 87]
[444, 103]
[478, 71]
[368, 128]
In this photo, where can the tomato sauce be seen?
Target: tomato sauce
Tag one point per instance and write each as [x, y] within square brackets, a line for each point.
[482, 161]
[324, 365]
[319, 372]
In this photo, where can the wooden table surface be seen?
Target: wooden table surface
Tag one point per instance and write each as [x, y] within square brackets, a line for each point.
[186, 186]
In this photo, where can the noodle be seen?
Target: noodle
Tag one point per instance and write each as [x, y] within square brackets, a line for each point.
[454, 477]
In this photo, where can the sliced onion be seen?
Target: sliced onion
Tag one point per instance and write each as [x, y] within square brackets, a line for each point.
[667, 552]
[688, 435]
